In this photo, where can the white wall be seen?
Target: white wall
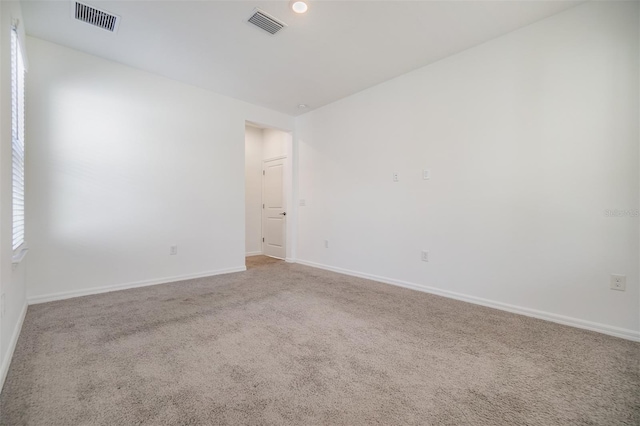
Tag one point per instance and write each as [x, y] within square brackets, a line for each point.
[12, 279]
[529, 138]
[276, 143]
[253, 190]
[124, 164]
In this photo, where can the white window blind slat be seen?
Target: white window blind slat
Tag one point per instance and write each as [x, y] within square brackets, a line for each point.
[18, 152]
[17, 142]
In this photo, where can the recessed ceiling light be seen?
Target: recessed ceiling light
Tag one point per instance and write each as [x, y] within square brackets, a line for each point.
[303, 106]
[299, 6]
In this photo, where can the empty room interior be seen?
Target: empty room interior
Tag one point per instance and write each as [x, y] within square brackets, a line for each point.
[316, 212]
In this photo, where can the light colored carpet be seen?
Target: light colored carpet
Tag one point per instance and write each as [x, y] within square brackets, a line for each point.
[288, 344]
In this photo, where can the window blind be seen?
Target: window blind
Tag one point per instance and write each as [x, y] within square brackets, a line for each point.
[17, 139]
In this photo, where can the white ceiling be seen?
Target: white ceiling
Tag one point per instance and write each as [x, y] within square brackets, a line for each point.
[336, 49]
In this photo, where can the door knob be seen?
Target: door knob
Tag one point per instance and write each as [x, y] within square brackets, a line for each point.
[283, 214]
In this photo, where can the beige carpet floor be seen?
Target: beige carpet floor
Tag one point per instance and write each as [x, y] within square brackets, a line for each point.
[288, 344]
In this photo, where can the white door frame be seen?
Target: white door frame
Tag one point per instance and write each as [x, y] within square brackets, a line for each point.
[291, 184]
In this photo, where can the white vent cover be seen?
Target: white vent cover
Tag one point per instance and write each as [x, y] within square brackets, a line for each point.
[99, 18]
[262, 19]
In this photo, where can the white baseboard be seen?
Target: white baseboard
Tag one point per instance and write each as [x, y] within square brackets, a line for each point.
[253, 253]
[560, 319]
[34, 300]
[4, 368]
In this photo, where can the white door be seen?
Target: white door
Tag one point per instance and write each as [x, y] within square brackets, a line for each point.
[274, 210]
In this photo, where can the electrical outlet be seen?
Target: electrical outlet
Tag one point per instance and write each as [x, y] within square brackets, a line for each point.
[426, 174]
[395, 177]
[303, 202]
[2, 305]
[618, 282]
[326, 243]
[173, 250]
[425, 256]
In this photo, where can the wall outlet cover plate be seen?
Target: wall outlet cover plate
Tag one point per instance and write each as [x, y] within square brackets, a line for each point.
[618, 282]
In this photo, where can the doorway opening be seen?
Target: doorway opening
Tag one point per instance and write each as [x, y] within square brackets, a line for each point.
[267, 190]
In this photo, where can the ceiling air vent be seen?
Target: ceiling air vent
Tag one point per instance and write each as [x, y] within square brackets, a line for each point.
[97, 17]
[263, 20]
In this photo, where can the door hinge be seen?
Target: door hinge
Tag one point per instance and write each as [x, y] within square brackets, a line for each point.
[263, 173]
[263, 239]
[263, 206]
